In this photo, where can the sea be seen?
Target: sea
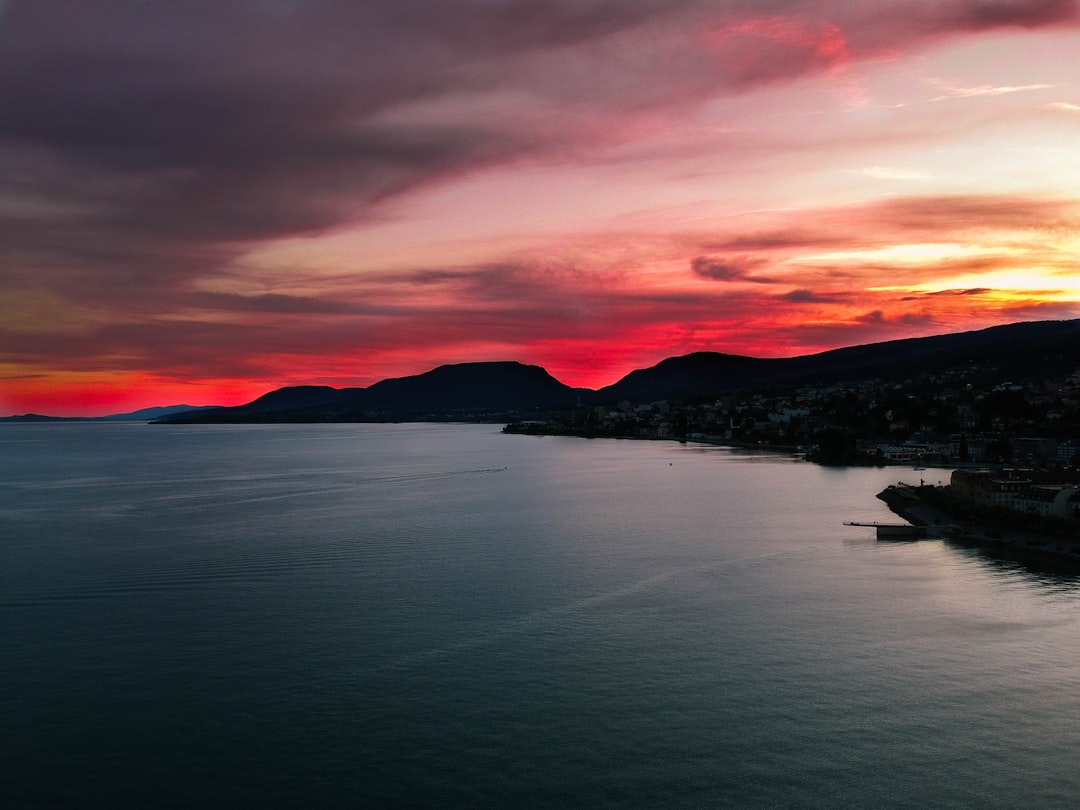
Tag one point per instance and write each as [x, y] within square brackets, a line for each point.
[441, 615]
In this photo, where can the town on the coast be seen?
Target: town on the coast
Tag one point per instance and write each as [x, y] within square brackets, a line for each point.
[1014, 443]
[955, 417]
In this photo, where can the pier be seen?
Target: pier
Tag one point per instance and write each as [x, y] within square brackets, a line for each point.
[889, 530]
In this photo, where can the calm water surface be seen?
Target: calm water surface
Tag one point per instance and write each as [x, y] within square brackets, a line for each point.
[441, 615]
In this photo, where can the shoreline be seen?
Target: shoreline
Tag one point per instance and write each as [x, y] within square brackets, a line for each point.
[905, 502]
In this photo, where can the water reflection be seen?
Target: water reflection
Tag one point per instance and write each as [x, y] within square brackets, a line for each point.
[1060, 574]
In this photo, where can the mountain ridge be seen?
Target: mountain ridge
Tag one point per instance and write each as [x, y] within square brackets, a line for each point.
[140, 415]
[702, 373]
[495, 390]
[469, 391]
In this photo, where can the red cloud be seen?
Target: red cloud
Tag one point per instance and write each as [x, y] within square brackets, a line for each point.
[822, 43]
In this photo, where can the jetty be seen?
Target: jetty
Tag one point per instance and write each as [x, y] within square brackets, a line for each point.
[891, 530]
[960, 524]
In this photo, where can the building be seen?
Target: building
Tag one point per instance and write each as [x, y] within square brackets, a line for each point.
[1055, 494]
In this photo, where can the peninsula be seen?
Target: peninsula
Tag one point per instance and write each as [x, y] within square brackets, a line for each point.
[1027, 510]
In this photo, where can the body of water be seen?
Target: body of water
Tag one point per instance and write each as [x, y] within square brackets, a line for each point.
[441, 615]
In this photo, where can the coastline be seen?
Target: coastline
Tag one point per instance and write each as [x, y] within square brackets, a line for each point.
[907, 502]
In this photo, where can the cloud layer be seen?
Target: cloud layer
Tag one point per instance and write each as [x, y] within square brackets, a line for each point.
[160, 163]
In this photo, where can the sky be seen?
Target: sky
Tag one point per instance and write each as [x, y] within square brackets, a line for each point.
[204, 201]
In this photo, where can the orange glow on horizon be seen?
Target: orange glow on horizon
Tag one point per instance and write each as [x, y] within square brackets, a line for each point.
[103, 394]
[574, 362]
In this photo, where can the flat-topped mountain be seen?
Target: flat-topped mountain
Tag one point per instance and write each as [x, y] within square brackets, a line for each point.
[473, 386]
[496, 390]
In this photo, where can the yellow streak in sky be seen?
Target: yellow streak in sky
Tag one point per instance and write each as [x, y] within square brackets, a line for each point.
[1038, 282]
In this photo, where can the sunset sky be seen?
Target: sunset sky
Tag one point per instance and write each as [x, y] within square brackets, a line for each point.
[205, 200]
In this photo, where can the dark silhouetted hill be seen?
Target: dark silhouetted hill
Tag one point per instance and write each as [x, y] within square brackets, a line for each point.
[141, 415]
[461, 391]
[1019, 349]
[492, 391]
[697, 374]
[473, 386]
[148, 414]
[37, 417]
[297, 397]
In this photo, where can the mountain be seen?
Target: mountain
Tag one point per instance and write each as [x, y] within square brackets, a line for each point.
[37, 417]
[297, 397]
[697, 374]
[498, 390]
[1017, 349]
[461, 391]
[473, 386]
[141, 415]
[148, 414]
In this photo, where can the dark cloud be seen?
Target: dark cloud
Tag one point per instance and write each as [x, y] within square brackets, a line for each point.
[780, 240]
[732, 268]
[230, 122]
[755, 46]
[809, 297]
[276, 304]
[878, 318]
[981, 14]
[218, 124]
[717, 270]
[912, 24]
[971, 291]
[921, 320]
